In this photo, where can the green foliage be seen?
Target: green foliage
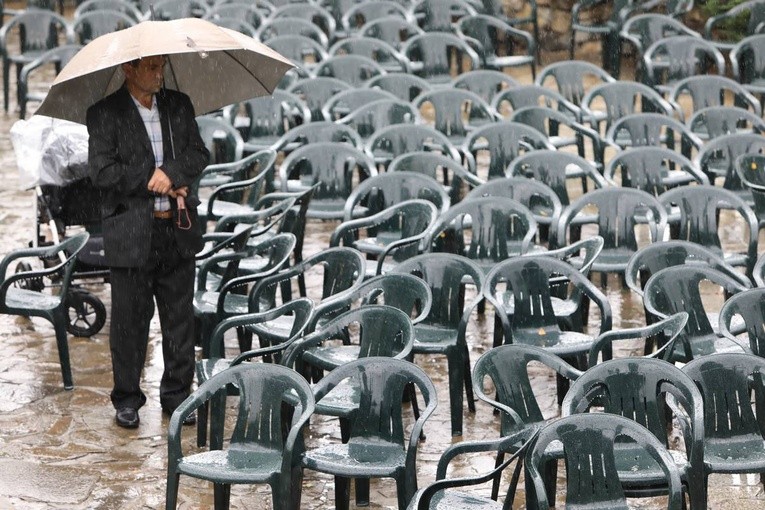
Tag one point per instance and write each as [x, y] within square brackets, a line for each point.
[731, 29]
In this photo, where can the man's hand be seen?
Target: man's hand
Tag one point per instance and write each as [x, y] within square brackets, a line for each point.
[160, 182]
[180, 192]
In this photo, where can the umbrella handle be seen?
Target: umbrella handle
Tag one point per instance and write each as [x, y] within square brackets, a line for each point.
[183, 213]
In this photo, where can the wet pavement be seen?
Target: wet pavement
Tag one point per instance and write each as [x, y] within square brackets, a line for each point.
[62, 450]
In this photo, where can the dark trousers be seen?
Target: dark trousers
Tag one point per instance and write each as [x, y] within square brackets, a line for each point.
[168, 278]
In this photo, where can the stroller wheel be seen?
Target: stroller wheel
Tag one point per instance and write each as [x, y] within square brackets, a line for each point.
[87, 314]
[36, 284]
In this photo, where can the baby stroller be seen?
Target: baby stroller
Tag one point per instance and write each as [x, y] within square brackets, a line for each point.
[54, 162]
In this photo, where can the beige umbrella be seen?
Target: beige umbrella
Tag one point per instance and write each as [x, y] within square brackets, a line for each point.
[215, 66]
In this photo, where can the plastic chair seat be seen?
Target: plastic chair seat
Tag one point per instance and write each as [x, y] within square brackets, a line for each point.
[448, 500]
[22, 299]
[208, 367]
[748, 451]
[276, 330]
[234, 465]
[331, 357]
[561, 307]
[612, 260]
[707, 345]
[561, 343]
[213, 181]
[508, 61]
[381, 460]
[224, 208]
[431, 338]
[206, 302]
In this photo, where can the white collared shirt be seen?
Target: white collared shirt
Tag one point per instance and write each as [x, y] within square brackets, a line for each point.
[150, 117]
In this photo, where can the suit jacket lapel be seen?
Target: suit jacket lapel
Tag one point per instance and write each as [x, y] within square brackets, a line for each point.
[133, 118]
[164, 120]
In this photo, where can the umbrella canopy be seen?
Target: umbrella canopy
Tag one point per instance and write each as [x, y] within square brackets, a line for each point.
[215, 66]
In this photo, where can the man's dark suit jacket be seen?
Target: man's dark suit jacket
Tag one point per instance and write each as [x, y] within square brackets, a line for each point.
[121, 162]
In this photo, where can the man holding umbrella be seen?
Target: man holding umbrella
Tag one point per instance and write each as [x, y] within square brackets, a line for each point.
[145, 151]
[138, 90]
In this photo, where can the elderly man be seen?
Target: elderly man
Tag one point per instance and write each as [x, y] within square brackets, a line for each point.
[144, 152]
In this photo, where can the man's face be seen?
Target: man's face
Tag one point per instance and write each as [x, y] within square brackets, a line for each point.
[147, 75]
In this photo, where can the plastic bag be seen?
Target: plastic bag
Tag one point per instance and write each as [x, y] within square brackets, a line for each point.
[49, 151]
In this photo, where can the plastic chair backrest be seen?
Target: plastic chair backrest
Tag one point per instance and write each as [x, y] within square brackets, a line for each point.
[716, 121]
[390, 188]
[347, 101]
[677, 57]
[486, 83]
[647, 168]
[394, 30]
[621, 98]
[390, 142]
[507, 367]
[539, 198]
[750, 306]
[552, 167]
[368, 119]
[718, 156]
[657, 256]
[352, 69]
[403, 86]
[455, 111]
[431, 55]
[572, 78]
[590, 442]
[316, 91]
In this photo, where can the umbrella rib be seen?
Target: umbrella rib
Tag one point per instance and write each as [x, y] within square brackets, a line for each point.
[232, 57]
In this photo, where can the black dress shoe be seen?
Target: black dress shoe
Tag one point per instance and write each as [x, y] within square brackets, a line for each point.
[189, 420]
[127, 417]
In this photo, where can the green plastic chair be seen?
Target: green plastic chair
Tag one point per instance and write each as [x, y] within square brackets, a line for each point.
[710, 90]
[368, 119]
[316, 132]
[749, 305]
[310, 12]
[499, 45]
[718, 157]
[637, 389]
[239, 196]
[485, 83]
[652, 169]
[486, 230]
[758, 276]
[662, 333]
[358, 16]
[539, 198]
[394, 30]
[388, 143]
[642, 30]
[747, 65]
[272, 28]
[315, 91]
[347, 101]
[751, 170]
[224, 142]
[591, 442]
[515, 15]
[304, 52]
[436, 496]
[266, 119]
[340, 269]
[733, 427]
[512, 99]
[387, 189]
[715, 121]
[403, 86]
[584, 20]
[378, 330]
[619, 211]
[572, 78]
[408, 293]
[334, 167]
[556, 169]
[301, 311]
[444, 330]
[123, 6]
[374, 49]
[654, 257]
[454, 112]
[390, 236]
[17, 297]
[454, 175]
[431, 53]
[352, 69]
[606, 103]
[676, 289]
[266, 443]
[56, 57]
[91, 25]
[669, 60]
[229, 298]
[25, 37]
[251, 13]
[653, 130]
[507, 369]
[437, 15]
[751, 13]
[502, 142]
[521, 291]
[377, 445]
[696, 220]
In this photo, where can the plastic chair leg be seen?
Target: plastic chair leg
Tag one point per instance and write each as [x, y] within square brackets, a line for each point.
[495, 482]
[221, 495]
[362, 491]
[217, 418]
[59, 321]
[202, 416]
[171, 495]
[468, 382]
[456, 378]
[342, 493]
